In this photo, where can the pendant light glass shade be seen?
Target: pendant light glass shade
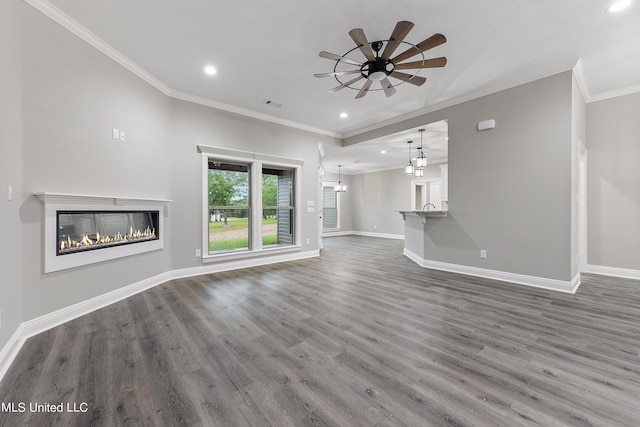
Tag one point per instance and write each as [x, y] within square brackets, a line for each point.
[421, 161]
[409, 169]
[340, 188]
[419, 173]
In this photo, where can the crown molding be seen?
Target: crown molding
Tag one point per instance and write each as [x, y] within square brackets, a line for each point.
[75, 28]
[96, 42]
[479, 93]
[629, 90]
[250, 113]
[578, 72]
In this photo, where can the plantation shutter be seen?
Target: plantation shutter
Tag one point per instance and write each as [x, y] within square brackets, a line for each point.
[285, 216]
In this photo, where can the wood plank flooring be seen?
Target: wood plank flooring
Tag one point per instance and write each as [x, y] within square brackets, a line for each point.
[359, 336]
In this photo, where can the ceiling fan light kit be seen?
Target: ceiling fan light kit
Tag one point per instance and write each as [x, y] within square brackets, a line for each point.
[379, 67]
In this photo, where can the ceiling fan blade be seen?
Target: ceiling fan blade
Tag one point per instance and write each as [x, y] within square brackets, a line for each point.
[335, 57]
[399, 33]
[342, 86]
[430, 43]
[361, 41]
[336, 73]
[387, 87]
[414, 80]
[363, 91]
[427, 63]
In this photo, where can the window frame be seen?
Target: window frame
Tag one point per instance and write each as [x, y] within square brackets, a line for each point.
[230, 208]
[256, 162]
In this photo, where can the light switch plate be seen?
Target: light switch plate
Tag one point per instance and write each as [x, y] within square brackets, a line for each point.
[115, 133]
[122, 136]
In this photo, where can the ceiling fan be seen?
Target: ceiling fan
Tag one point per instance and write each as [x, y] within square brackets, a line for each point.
[378, 67]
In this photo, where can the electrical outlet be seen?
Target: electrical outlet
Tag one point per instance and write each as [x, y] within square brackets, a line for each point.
[375, 227]
[198, 253]
[483, 254]
[308, 241]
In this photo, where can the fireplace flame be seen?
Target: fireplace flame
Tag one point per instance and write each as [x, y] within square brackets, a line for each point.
[67, 245]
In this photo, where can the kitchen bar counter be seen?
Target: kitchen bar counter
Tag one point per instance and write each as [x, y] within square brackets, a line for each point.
[423, 215]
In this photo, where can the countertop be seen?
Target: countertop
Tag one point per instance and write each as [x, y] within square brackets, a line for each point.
[423, 214]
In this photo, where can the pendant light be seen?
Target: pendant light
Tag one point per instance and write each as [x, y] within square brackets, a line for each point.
[409, 169]
[419, 173]
[340, 188]
[421, 161]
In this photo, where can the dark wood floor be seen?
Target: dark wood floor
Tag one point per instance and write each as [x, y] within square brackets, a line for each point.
[359, 336]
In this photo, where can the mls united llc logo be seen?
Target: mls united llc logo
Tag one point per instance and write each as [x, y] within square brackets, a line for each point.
[21, 407]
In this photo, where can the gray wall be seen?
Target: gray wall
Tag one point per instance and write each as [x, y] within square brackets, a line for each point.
[375, 199]
[10, 169]
[510, 187]
[613, 184]
[192, 125]
[72, 95]
[60, 100]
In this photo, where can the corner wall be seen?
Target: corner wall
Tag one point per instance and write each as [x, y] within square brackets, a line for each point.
[613, 202]
[10, 169]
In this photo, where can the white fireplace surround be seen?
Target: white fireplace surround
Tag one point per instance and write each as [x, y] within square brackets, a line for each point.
[54, 202]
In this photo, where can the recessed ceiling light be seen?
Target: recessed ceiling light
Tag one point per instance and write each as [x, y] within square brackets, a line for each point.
[343, 115]
[619, 5]
[210, 70]
[383, 152]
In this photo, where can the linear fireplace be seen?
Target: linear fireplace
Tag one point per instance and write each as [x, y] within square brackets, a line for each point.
[80, 230]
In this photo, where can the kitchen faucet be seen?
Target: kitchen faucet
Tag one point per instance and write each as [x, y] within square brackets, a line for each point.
[434, 206]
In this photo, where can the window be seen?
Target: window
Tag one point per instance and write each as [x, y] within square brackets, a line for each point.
[250, 203]
[277, 207]
[329, 207]
[229, 213]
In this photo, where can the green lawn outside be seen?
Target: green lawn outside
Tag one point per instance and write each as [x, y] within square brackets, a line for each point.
[235, 224]
[237, 242]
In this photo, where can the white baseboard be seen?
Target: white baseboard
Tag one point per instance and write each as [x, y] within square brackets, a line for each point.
[58, 317]
[10, 350]
[363, 233]
[613, 271]
[336, 233]
[380, 235]
[242, 263]
[521, 279]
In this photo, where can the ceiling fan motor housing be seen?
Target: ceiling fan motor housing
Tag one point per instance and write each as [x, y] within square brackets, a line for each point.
[377, 69]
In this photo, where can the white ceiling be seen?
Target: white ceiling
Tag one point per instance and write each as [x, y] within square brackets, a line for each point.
[268, 50]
